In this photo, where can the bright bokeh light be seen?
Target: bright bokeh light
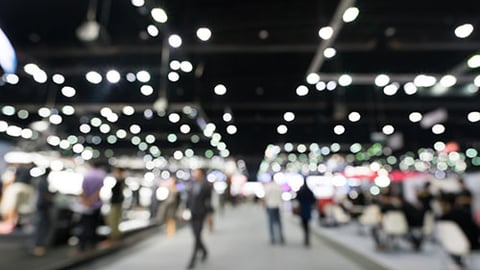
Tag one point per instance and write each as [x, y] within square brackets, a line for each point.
[325, 32]
[135, 129]
[282, 129]
[146, 90]
[227, 117]
[174, 117]
[331, 85]
[350, 14]
[185, 129]
[474, 61]
[152, 30]
[415, 117]
[473, 116]
[464, 30]
[128, 110]
[388, 129]
[113, 76]
[231, 129]
[289, 116]
[68, 91]
[448, 80]
[438, 129]
[68, 110]
[175, 41]
[410, 88]
[220, 89]
[175, 65]
[204, 33]
[391, 89]
[320, 86]
[138, 3]
[354, 116]
[302, 90]
[313, 78]
[382, 80]
[143, 76]
[58, 78]
[345, 80]
[329, 52]
[173, 76]
[94, 77]
[186, 66]
[159, 15]
[339, 129]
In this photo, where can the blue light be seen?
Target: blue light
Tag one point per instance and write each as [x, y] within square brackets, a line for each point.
[8, 59]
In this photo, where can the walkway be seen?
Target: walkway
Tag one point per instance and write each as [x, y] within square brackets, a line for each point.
[239, 241]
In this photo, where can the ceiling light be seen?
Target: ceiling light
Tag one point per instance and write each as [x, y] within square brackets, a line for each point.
[113, 76]
[23, 114]
[94, 77]
[8, 110]
[345, 80]
[175, 41]
[325, 32]
[11, 78]
[78, 148]
[146, 90]
[159, 15]
[329, 52]
[112, 118]
[289, 116]
[175, 65]
[173, 76]
[186, 66]
[89, 30]
[105, 128]
[121, 134]
[231, 129]
[53, 140]
[185, 129]
[423, 80]
[68, 91]
[320, 86]
[474, 61]
[438, 129]
[44, 112]
[339, 129]
[138, 3]
[448, 81]
[40, 76]
[85, 128]
[130, 77]
[282, 129]
[172, 138]
[174, 117]
[302, 90]
[152, 30]
[143, 76]
[354, 117]
[331, 85]
[204, 33]
[227, 117]
[58, 78]
[473, 117]
[381, 80]
[391, 89]
[410, 88]
[150, 139]
[68, 110]
[55, 119]
[350, 14]
[135, 129]
[388, 129]
[220, 89]
[128, 110]
[313, 78]
[95, 121]
[415, 117]
[31, 68]
[476, 81]
[464, 30]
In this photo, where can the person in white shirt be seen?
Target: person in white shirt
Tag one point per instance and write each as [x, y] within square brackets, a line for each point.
[273, 203]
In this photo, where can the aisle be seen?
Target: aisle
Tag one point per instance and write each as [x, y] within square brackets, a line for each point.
[239, 241]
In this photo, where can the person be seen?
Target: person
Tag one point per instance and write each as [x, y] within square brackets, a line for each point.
[464, 197]
[273, 202]
[199, 203]
[172, 203]
[44, 204]
[306, 199]
[18, 194]
[91, 202]
[116, 203]
[425, 197]
[461, 216]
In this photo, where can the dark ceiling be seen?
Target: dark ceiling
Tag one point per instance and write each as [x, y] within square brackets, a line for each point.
[261, 51]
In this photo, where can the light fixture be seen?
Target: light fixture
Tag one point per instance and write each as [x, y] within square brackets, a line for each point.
[220, 89]
[113, 76]
[350, 14]
[204, 33]
[175, 41]
[325, 32]
[302, 90]
[464, 30]
[159, 15]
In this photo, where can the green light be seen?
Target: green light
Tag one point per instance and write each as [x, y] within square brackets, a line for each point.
[471, 152]
[172, 137]
[476, 161]
[209, 153]
[108, 153]
[392, 160]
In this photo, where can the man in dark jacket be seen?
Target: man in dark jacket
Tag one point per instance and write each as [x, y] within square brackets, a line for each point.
[199, 203]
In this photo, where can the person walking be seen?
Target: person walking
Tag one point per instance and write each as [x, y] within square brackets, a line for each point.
[305, 199]
[44, 203]
[199, 203]
[91, 202]
[273, 203]
[116, 203]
